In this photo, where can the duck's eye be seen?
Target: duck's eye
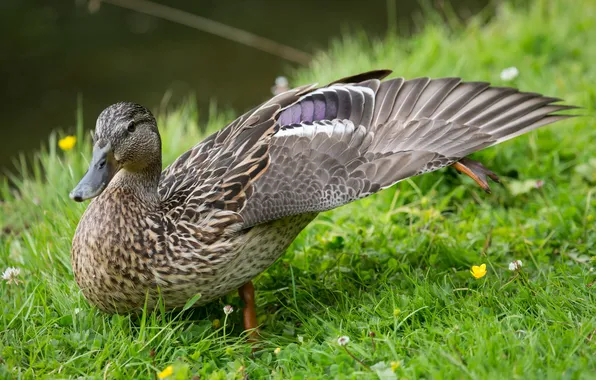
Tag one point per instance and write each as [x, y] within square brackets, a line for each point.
[131, 126]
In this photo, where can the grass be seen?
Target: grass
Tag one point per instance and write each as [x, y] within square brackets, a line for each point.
[396, 264]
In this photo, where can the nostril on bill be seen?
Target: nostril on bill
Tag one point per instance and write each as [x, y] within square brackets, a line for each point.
[76, 197]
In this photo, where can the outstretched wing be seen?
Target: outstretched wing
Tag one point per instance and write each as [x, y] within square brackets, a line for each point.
[346, 141]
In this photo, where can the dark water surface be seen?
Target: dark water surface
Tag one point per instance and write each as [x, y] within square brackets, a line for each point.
[53, 51]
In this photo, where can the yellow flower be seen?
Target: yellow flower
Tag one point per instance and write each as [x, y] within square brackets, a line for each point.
[166, 372]
[478, 271]
[67, 143]
[277, 351]
[394, 366]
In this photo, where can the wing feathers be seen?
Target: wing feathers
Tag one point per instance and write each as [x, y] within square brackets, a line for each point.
[407, 97]
[385, 100]
[434, 94]
[457, 98]
[309, 150]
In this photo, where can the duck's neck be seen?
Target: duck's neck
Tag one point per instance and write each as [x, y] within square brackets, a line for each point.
[142, 183]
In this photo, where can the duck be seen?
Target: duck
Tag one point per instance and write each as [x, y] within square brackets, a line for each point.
[228, 208]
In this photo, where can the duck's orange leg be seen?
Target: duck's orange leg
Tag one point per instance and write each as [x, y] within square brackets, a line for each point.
[477, 172]
[249, 312]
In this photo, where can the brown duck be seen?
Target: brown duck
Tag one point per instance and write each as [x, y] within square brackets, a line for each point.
[225, 210]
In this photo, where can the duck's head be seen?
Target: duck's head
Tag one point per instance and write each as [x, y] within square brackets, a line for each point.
[126, 138]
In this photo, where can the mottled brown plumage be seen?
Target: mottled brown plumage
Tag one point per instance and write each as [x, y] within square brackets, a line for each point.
[228, 208]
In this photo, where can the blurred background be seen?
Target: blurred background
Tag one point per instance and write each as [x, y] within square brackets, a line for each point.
[55, 52]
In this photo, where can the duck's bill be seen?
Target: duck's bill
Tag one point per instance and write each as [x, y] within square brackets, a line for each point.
[102, 169]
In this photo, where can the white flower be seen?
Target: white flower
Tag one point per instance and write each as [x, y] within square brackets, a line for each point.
[509, 73]
[281, 85]
[228, 309]
[281, 81]
[515, 265]
[300, 339]
[343, 340]
[10, 275]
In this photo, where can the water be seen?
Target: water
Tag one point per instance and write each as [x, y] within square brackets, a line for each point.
[52, 52]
